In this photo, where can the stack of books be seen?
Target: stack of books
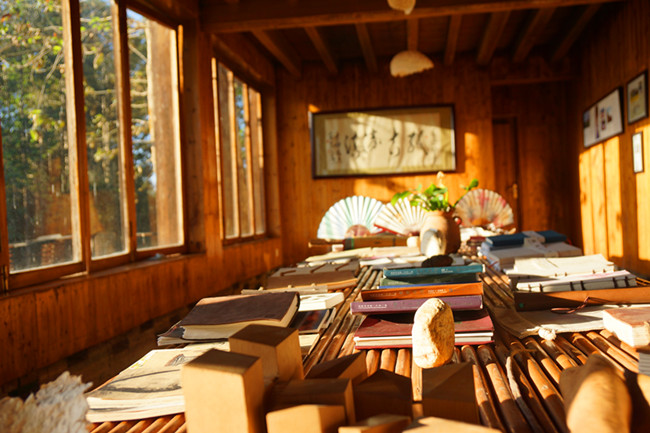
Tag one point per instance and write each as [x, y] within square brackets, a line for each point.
[569, 282]
[501, 251]
[390, 307]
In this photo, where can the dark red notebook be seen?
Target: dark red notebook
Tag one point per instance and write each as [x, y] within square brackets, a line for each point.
[395, 330]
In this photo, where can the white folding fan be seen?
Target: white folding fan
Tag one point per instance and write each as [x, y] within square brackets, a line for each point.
[482, 207]
[348, 212]
[401, 218]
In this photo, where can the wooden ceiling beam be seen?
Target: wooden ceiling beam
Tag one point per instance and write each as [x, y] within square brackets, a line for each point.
[281, 50]
[530, 34]
[412, 33]
[452, 38]
[493, 30]
[366, 47]
[248, 15]
[323, 49]
[579, 25]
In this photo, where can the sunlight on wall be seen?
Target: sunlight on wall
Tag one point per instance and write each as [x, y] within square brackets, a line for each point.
[585, 204]
[643, 204]
[613, 197]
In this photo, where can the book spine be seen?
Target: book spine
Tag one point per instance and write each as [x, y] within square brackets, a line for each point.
[457, 303]
[413, 272]
[430, 279]
[423, 292]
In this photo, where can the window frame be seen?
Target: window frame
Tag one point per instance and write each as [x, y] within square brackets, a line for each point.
[79, 184]
[249, 172]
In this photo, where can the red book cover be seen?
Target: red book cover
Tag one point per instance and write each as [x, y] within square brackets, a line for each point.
[399, 325]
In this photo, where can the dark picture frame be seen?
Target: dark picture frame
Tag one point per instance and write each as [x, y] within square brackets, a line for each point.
[405, 140]
[637, 97]
[637, 152]
[604, 119]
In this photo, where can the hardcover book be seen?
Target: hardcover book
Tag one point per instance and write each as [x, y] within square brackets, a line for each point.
[222, 316]
[415, 272]
[430, 279]
[395, 330]
[423, 291]
[457, 303]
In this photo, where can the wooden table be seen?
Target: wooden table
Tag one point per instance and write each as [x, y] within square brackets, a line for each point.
[516, 381]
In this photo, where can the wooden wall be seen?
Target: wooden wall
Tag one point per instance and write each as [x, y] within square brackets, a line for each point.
[468, 88]
[42, 325]
[547, 179]
[615, 210]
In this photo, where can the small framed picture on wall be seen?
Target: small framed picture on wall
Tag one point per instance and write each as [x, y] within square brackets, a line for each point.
[637, 151]
[637, 97]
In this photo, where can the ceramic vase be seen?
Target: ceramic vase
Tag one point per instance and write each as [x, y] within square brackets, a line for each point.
[440, 234]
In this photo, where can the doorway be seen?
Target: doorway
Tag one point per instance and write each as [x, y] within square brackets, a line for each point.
[506, 158]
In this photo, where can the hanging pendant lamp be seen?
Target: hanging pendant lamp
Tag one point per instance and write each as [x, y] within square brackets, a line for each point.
[402, 5]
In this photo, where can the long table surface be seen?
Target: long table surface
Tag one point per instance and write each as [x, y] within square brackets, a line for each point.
[516, 381]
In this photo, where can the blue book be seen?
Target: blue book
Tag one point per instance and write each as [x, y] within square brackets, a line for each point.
[419, 272]
[552, 236]
[513, 240]
[518, 239]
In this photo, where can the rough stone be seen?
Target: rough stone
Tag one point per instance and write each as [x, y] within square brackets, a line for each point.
[433, 334]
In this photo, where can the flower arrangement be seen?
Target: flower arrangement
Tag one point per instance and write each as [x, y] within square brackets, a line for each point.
[435, 197]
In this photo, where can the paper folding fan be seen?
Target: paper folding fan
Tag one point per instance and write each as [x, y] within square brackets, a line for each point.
[482, 207]
[351, 216]
[401, 218]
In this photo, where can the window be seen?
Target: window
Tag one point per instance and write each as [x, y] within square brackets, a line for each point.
[90, 138]
[241, 154]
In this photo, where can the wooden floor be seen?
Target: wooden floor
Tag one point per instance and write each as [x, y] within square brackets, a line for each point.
[516, 381]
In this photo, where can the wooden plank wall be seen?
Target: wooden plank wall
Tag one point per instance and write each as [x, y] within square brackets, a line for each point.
[306, 200]
[548, 183]
[44, 324]
[468, 88]
[615, 209]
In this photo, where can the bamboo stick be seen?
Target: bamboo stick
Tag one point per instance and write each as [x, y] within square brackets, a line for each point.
[551, 397]
[542, 358]
[558, 354]
[486, 406]
[619, 355]
[524, 394]
[514, 420]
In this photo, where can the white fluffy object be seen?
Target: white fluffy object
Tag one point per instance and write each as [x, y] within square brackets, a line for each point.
[58, 407]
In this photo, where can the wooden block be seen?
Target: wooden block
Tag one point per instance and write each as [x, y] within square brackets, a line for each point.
[437, 425]
[306, 418]
[448, 392]
[314, 391]
[352, 367]
[279, 349]
[224, 392]
[384, 423]
[384, 392]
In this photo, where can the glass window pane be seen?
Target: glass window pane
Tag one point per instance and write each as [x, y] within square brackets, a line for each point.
[107, 210]
[228, 161]
[155, 132]
[34, 136]
[257, 160]
[243, 159]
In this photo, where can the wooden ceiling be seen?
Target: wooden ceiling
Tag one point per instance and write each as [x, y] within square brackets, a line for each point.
[333, 31]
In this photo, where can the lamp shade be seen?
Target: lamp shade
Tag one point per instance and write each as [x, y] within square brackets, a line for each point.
[409, 62]
[402, 5]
